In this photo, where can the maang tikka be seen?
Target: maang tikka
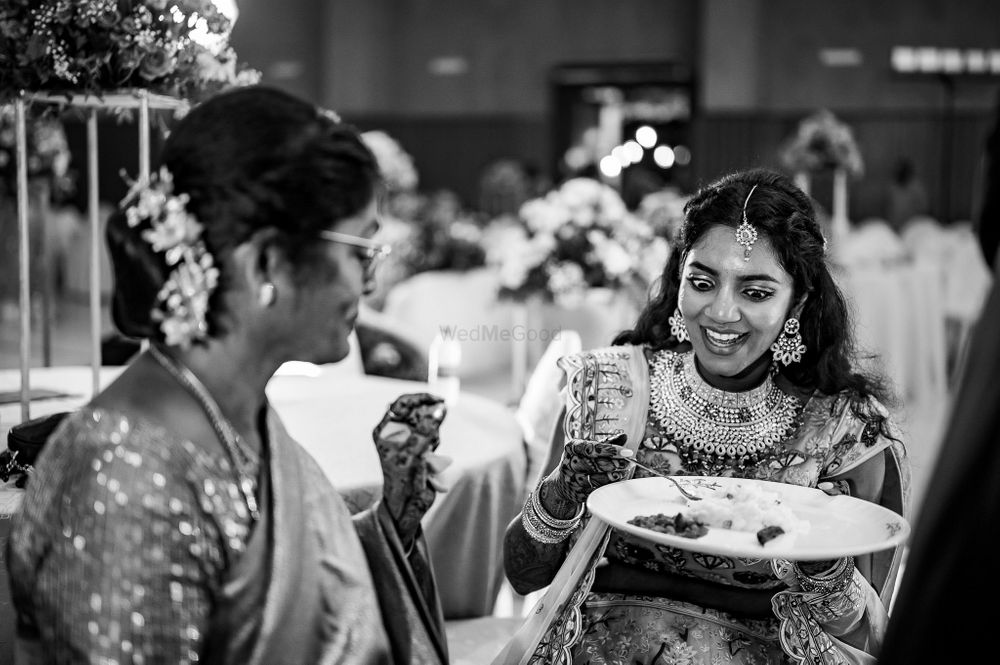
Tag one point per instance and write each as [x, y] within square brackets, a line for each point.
[746, 234]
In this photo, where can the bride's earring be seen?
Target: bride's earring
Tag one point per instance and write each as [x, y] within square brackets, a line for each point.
[788, 348]
[677, 327]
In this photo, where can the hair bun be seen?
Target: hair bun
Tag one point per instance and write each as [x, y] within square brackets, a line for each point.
[138, 273]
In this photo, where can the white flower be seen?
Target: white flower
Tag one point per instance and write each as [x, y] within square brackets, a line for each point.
[579, 192]
[653, 259]
[544, 215]
[566, 281]
[616, 261]
[576, 237]
[182, 302]
[519, 255]
[211, 68]
[395, 163]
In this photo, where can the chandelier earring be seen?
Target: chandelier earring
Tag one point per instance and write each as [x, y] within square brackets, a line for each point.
[677, 327]
[789, 347]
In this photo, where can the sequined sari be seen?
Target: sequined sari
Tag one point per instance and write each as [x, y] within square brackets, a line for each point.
[608, 391]
[135, 546]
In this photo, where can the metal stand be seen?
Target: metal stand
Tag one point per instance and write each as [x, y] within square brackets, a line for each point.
[129, 99]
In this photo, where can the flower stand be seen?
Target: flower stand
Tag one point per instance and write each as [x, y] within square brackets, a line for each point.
[140, 100]
[840, 224]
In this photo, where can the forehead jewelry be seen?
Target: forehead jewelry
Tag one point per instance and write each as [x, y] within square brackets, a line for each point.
[746, 234]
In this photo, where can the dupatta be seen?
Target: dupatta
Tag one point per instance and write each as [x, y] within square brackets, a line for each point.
[609, 392]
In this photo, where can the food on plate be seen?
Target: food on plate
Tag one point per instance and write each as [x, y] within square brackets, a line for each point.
[677, 525]
[742, 507]
[769, 533]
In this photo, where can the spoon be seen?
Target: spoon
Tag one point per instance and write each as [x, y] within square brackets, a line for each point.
[627, 454]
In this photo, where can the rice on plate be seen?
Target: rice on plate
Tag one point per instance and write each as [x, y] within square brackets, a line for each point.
[745, 507]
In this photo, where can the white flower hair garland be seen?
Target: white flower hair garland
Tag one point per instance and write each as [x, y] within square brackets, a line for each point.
[182, 302]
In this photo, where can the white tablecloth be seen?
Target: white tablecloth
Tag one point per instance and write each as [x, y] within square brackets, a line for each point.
[332, 415]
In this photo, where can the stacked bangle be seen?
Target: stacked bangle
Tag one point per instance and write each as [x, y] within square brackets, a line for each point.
[833, 581]
[540, 525]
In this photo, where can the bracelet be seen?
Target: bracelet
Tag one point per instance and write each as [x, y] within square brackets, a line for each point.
[832, 581]
[547, 517]
[543, 527]
[539, 531]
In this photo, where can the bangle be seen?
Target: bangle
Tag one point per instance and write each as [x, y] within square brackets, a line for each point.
[831, 581]
[541, 532]
[547, 517]
[544, 528]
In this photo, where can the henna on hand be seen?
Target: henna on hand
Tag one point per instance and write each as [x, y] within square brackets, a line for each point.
[587, 465]
[405, 440]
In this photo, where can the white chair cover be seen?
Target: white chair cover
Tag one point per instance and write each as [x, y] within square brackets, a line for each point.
[871, 243]
[954, 253]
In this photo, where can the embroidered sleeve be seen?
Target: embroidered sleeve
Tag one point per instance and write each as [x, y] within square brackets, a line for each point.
[598, 385]
[854, 440]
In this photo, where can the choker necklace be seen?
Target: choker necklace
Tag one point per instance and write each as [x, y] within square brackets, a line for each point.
[240, 457]
[715, 429]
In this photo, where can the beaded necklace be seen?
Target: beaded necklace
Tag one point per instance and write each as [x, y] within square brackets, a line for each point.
[714, 429]
[242, 459]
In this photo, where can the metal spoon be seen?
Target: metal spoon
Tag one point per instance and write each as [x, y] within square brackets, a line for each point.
[687, 493]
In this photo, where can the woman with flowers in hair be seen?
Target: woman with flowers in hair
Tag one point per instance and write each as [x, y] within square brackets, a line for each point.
[741, 366]
[172, 519]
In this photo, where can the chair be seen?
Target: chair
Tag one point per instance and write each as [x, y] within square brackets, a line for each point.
[386, 352]
[954, 252]
[871, 243]
[925, 239]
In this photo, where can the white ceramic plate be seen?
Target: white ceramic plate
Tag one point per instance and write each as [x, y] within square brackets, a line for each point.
[838, 525]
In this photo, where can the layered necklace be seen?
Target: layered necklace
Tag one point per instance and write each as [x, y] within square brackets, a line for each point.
[245, 461]
[714, 429]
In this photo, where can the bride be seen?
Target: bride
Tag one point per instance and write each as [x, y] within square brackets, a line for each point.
[740, 366]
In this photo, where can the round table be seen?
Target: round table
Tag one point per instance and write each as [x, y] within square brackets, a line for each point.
[332, 414]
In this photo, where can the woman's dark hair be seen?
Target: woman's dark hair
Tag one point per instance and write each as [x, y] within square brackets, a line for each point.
[250, 159]
[781, 212]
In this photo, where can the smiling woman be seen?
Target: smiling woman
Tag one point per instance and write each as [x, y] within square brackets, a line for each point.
[739, 366]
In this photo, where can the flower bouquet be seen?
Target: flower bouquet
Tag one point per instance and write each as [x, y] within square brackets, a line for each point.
[822, 142]
[176, 48]
[576, 238]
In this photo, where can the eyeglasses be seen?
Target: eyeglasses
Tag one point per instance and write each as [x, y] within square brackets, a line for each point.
[372, 250]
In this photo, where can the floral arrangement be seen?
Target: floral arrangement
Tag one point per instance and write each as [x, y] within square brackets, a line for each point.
[664, 211]
[47, 150]
[177, 48]
[182, 303]
[822, 142]
[579, 236]
[446, 236]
